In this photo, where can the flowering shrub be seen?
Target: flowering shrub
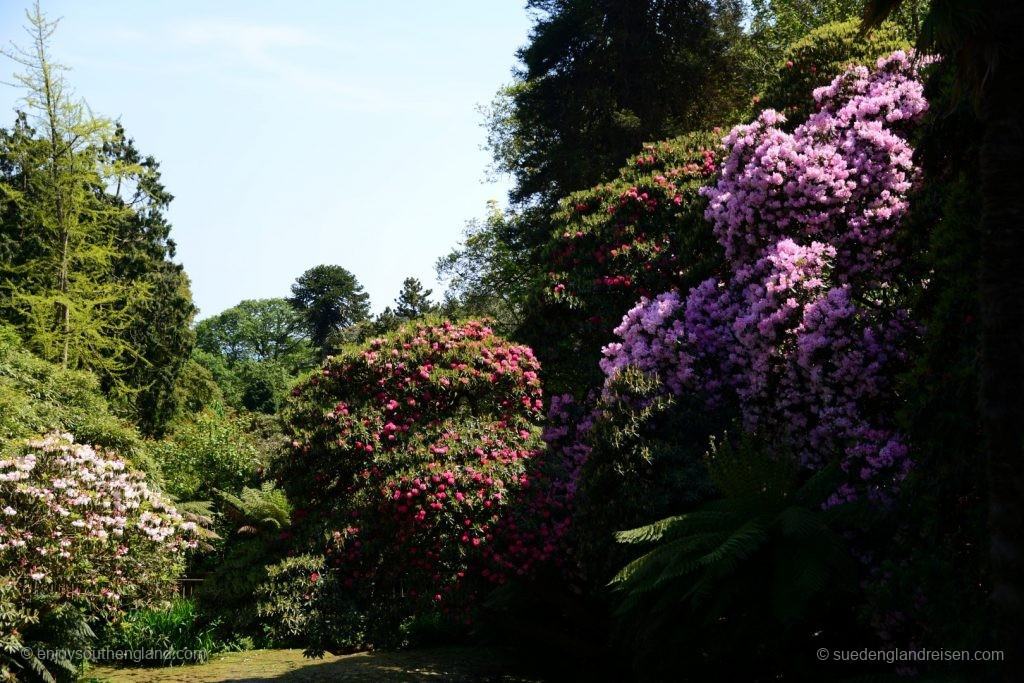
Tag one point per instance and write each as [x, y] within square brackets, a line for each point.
[81, 536]
[408, 460]
[818, 57]
[78, 526]
[804, 336]
[634, 236]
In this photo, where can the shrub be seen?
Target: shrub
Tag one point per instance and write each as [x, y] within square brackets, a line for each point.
[409, 457]
[81, 532]
[298, 603]
[818, 57]
[756, 568]
[254, 539]
[634, 236]
[37, 397]
[216, 451]
[807, 333]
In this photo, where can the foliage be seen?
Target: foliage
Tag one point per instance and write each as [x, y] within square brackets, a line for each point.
[255, 509]
[806, 336]
[37, 396]
[639, 234]
[255, 538]
[159, 332]
[173, 633]
[818, 57]
[409, 457]
[485, 276]
[228, 383]
[215, 451]
[413, 301]
[257, 330]
[775, 25]
[757, 564]
[61, 291]
[330, 299]
[291, 599]
[599, 78]
[195, 389]
[642, 461]
[27, 640]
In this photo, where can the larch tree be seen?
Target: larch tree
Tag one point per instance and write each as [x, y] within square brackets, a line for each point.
[70, 307]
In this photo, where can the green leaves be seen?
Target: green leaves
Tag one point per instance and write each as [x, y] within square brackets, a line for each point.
[767, 537]
[329, 298]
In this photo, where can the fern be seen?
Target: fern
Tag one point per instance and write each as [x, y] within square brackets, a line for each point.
[256, 510]
[766, 537]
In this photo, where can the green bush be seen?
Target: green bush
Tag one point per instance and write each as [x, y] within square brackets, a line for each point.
[638, 235]
[645, 463]
[24, 636]
[215, 452]
[817, 58]
[755, 571]
[37, 397]
[300, 604]
[255, 538]
[195, 389]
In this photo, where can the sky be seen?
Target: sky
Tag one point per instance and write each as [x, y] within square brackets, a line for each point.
[299, 133]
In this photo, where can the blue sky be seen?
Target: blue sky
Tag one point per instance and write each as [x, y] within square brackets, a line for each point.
[297, 133]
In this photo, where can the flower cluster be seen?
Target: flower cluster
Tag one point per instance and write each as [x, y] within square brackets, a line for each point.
[78, 525]
[802, 337]
[416, 457]
[841, 177]
[623, 239]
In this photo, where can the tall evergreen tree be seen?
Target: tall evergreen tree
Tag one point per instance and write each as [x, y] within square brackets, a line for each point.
[160, 332]
[600, 77]
[413, 301]
[330, 299]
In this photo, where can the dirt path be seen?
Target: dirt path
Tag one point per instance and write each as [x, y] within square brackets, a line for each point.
[289, 666]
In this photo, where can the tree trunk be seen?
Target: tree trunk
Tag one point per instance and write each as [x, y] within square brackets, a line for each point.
[1002, 340]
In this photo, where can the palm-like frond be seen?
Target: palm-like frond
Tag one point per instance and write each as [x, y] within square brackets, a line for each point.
[265, 508]
[706, 559]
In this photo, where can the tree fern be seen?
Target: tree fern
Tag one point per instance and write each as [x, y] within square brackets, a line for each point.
[767, 537]
[256, 510]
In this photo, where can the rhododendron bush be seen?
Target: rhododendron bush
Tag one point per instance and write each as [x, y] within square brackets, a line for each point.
[417, 466]
[77, 526]
[630, 237]
[805, 334]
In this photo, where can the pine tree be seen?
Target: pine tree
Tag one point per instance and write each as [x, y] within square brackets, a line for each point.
[413, 301]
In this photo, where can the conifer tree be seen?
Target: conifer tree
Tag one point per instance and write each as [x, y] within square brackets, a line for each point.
[61, 292]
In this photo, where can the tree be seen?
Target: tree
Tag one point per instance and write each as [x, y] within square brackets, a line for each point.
[984, 40]
[776, 24]
[160, 328]
[257, 330]
[413, 301]
[485, 275]
[61, 290]
[330, 299]
[599, 78]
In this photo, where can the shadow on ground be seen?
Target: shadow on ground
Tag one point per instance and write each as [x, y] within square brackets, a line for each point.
[484, 664]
